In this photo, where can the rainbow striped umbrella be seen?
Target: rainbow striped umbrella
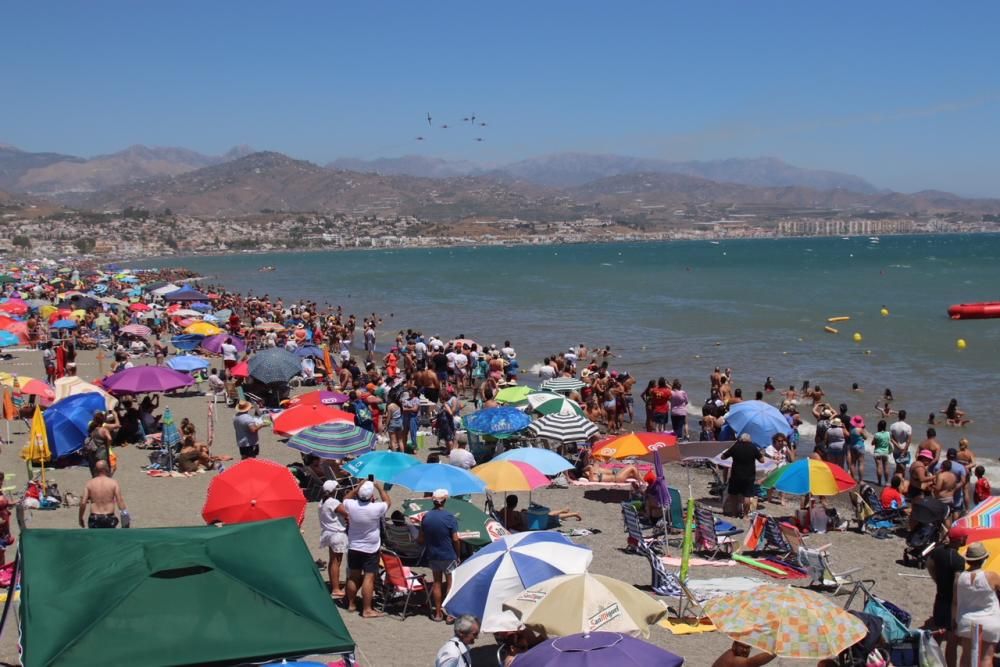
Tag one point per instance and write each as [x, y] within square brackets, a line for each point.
[333, 440]
[982, 523]
[809, 476]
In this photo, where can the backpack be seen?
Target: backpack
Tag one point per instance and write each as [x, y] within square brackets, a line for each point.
[362, 412]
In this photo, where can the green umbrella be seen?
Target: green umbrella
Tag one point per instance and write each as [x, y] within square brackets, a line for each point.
[4, 279]
[514, 394]
[548, 403]
[475, 527]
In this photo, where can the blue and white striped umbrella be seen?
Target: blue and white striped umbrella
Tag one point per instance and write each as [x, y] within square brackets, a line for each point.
[501, 570]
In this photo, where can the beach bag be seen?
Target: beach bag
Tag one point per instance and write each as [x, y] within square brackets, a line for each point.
[931, 654]
[89, 447]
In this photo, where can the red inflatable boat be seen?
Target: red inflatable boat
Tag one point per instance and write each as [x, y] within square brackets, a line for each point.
[974, 311]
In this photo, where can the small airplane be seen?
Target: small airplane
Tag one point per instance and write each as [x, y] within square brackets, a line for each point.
[480, 139]
[482, 125]
[444, 127]
[428, 118]
[465, 120]
[420, 138]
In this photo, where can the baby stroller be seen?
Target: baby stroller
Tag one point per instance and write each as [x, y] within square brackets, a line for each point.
[858, 655]
[927, 517]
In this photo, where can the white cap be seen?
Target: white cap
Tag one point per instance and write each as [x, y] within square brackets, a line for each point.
[366, 491]
[329, 486]
[440, 494]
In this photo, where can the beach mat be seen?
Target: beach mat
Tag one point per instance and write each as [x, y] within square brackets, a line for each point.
[687, 626]
[773, 568]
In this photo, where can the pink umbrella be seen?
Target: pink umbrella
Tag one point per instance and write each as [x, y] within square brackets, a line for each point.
[137, 330]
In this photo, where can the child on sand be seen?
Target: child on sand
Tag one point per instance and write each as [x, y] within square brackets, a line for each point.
[982, 490]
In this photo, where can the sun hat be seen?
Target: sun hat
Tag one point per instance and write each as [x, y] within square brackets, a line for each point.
[244, 406]
[925, 454]
[857, 421]
[836, 422]
[330, 486]
[366, 491]
[976, 552]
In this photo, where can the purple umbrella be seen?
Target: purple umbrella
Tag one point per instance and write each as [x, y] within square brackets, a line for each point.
[596, 649]
[214, 343]
[142, 379]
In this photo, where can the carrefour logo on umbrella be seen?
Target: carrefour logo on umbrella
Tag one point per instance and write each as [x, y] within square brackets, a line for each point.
[604, 616]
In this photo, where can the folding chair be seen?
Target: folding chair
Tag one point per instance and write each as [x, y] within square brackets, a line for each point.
[796, 540]
[708, 537]
[637, 541]
[816, 563]
[399, 582]
[764, 536]
[399, 539]
[676, 511]
[668, 584]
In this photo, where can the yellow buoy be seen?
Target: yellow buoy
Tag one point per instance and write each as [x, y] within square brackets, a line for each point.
[829, 330]
[884, 311]
[857, 337]
[960, 343]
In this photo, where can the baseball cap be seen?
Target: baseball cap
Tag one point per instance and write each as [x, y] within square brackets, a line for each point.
[366, 491]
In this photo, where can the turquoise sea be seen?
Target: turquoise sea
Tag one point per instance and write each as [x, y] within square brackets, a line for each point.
[678, 309]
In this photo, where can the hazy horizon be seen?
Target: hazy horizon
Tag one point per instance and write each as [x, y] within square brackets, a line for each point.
[902, 96]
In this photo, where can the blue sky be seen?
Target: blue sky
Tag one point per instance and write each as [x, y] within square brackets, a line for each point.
[904, 94]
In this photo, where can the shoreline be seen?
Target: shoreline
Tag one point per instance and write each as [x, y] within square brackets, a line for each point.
[132, 261]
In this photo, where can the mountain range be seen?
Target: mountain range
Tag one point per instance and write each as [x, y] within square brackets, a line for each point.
[562, 186]
[54, 175]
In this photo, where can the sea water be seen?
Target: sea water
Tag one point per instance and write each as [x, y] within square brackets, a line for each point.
[678, 309]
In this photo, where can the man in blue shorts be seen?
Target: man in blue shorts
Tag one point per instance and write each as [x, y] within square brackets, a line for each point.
[439, 535]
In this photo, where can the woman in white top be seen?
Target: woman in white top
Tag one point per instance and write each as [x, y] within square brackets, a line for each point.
[976, 603]
[333, 534]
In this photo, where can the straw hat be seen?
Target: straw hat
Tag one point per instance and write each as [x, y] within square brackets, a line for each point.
[976, 552]
[836, 422]
[244, 406]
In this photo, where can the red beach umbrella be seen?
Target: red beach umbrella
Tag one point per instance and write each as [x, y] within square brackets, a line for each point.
[301, 417]
[240, 370]
[138, 307]
[254, 490]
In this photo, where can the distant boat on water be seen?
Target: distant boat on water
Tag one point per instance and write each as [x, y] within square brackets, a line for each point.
[266, 268]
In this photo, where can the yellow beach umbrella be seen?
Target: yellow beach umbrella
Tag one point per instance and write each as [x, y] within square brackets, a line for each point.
[585, 603]
[78, 314]
[37, 449]
[45, 311]
[203, 329]
[787, 621]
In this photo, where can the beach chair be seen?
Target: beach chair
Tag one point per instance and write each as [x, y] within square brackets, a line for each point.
[667, 584]
[676, 511]
[401, 541]
[816, 563]
[637, 540]
[398, 582]
[764, 536]
[710, 537]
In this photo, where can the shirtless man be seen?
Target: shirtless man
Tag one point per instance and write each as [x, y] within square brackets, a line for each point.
[428, 384]
[739, 656]
[103, 494]
[946, 485]
[931, 444]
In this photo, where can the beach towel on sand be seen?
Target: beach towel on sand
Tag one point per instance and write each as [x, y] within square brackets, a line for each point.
[687, 626]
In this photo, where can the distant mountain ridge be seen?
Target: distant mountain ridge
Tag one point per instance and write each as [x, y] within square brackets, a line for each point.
[275, 182]
[55, 175]
[563, 170]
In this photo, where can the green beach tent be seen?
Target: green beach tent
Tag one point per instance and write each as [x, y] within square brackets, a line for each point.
[174, 596]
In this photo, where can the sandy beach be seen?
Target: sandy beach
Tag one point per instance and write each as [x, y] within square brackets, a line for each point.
[390, 641]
